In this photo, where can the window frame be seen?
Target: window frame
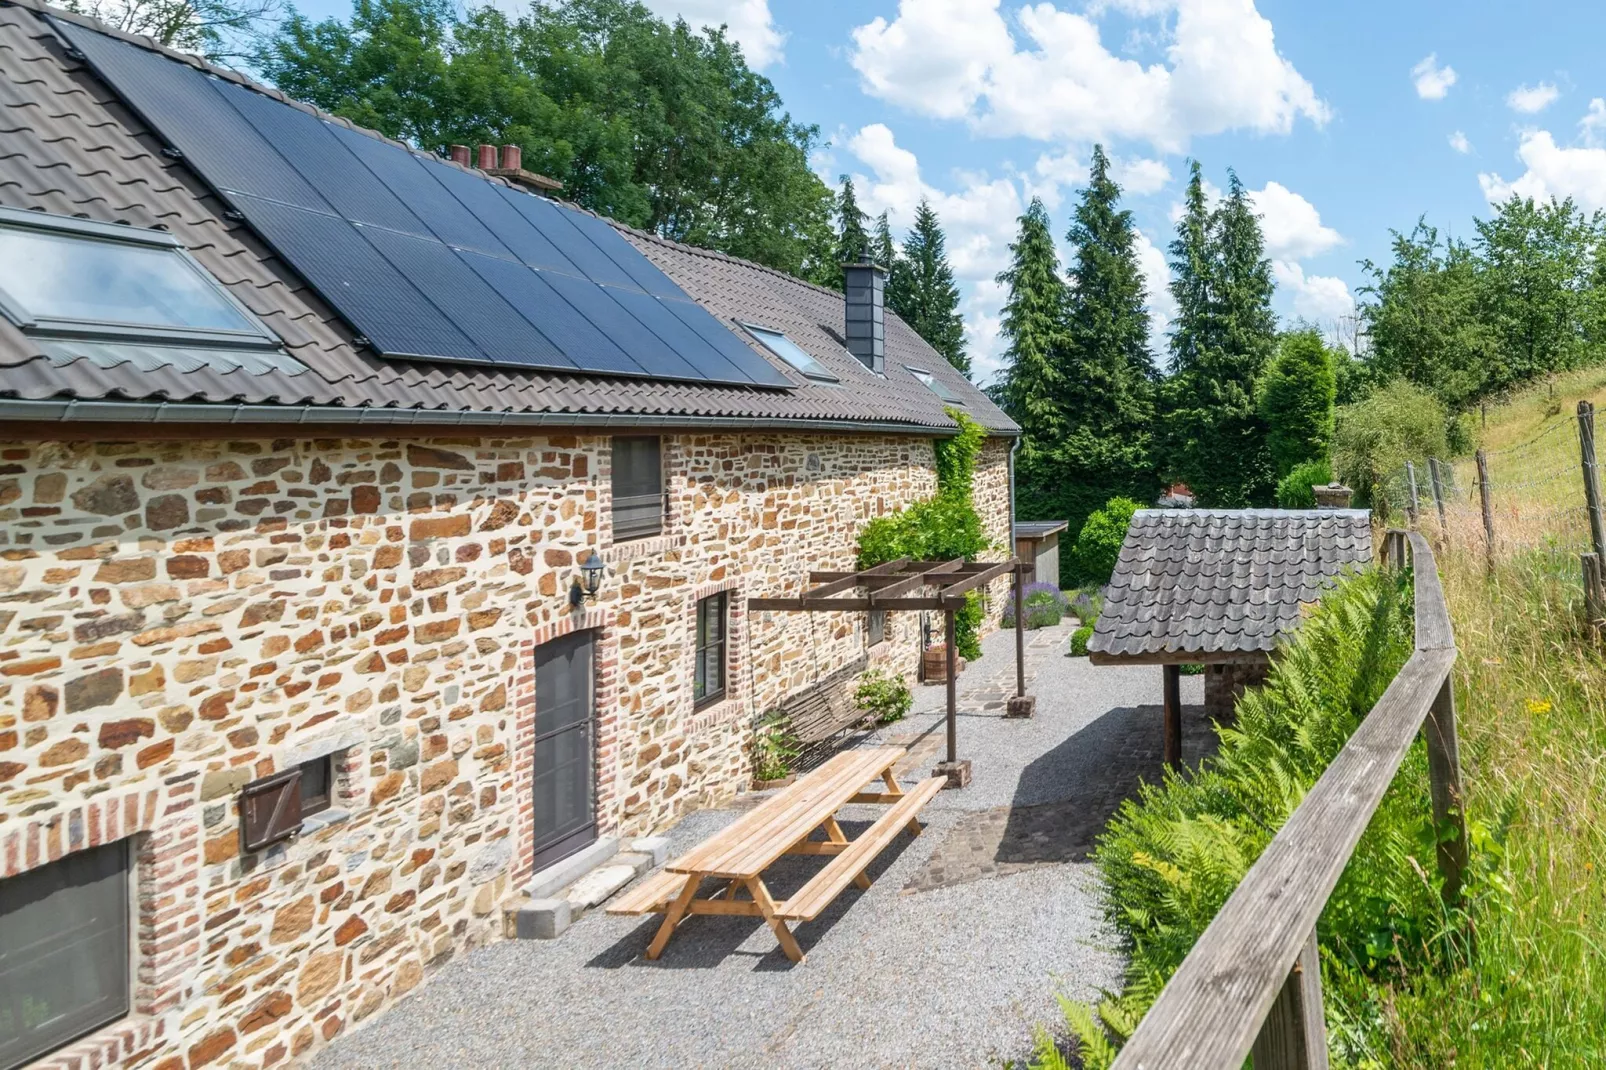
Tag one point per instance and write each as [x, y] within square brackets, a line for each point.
[935, 385]
[260, 336]
[630, 534]
[699, 680]
[875, 627]
[119, 1006]
[821, 375]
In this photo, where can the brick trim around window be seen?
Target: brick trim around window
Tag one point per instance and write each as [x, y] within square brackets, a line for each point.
[166, 853]
[728, 708]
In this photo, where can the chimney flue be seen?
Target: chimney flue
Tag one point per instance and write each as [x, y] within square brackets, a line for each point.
[460, 155]
[1333, 496]
[487, 158]
[864, 290]
[512, 158]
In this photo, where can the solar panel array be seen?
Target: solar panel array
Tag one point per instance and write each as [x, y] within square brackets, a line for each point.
[422, 258]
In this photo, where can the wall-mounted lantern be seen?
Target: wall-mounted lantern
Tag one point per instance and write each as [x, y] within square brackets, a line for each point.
[589, 581]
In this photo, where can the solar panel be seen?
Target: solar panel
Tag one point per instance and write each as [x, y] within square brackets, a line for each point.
[424, 259]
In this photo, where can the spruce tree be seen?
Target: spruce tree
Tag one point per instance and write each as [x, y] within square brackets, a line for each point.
[884, 252]
[853, 241]
[921, 289]
[1224, 335]
[1108, 375]
[1033, 328]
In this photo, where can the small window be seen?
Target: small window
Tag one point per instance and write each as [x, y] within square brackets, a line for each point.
[876, 626]
[73, 277]
[791, 352]
[317, 785]
[935, 385]
[64, 951]
[709, 674]
[638, 487]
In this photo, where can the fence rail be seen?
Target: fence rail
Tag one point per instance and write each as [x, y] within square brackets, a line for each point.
[1252, 983]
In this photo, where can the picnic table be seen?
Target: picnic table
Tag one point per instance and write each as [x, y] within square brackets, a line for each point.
[739, 854]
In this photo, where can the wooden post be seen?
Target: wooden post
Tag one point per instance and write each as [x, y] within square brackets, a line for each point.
[1438, 496]
[1020, 629]
[1173, 716]
[1294, 1034]
[1488, 508]
[1593, 610]
[1394, 549]
[952, 653]
[1444, 776]
[1410, 503]
[1586, 449]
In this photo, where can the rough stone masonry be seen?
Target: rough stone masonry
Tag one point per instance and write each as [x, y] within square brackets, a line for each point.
[180, 617]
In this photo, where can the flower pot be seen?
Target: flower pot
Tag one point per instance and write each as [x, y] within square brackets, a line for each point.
[766, 785]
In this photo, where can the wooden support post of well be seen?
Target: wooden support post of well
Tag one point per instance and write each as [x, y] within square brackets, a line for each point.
[1486, 499]
[1438, 496]
[1586, 450]
[1173, 715]
[1294, 1034]
[1394, 549]
[1410, 502]
[1444, 780]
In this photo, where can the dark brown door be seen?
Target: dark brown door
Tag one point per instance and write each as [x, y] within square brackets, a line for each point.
[565, 747]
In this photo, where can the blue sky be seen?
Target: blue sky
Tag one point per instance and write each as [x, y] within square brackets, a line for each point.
[1345, 119]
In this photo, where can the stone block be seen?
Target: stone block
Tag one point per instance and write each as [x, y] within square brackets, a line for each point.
[549, 881]
[656, 846]
[598, 885]
[540, 919]
[1021, 706]
[958, 773]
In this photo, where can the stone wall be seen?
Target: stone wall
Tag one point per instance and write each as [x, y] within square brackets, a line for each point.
[1226, 682]
[180, 617]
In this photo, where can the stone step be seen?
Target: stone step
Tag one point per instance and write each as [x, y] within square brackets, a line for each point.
[546, 917]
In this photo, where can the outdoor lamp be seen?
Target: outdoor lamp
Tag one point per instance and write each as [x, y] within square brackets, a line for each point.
[591, 570]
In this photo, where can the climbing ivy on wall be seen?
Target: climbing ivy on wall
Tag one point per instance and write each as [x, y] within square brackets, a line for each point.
[942, 527]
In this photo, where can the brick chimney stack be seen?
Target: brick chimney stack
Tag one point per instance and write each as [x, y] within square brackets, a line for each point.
[512, 158]
[1333, 496]
[460, 155]
[487, 161]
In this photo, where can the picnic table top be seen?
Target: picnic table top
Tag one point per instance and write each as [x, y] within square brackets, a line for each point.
[751, 843]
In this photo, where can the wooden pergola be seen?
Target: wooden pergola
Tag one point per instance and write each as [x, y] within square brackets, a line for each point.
[906, 584]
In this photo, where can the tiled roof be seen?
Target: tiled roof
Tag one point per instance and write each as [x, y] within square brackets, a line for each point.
[1223, 581]
[68, 146]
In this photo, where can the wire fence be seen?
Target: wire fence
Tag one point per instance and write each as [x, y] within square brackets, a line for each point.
[1538, 498]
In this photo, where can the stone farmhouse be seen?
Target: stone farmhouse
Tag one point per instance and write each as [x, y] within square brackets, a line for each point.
[374, 533]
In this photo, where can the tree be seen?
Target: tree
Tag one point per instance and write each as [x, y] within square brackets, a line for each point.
[921, 289]
[1033, 329]
[654, 124]
[217, 29]
[1224, 335]
[853, 240]
[1107, 376]
[1296, 396]
[886, 253]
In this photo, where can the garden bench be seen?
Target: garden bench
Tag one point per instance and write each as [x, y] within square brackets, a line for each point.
[739, 854]
[826, 707]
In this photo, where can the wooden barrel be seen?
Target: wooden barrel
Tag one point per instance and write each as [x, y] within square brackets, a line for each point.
[934, 664]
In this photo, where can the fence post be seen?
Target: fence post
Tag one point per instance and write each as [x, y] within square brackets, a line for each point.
[1438, 496]
[1294, 1034]
[1488, 508]
[1444, 778]
[1586, 450]
[1593, 610]
[1410, 503]
[1394, 549]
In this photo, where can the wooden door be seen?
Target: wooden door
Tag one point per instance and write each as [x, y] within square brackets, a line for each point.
[565, 747]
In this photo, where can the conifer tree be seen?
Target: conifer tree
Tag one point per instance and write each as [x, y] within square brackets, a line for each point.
[1033, 329]
[884, 252]
[921, 289]
[1224, 335]
[853, 241]
[1108, 378]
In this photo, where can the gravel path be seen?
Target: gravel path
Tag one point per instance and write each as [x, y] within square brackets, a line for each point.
[950, 959]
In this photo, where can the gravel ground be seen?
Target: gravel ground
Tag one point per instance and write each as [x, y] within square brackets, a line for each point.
[951, 958]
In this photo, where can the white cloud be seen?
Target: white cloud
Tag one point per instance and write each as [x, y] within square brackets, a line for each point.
[1554, 171]
[1532, 99]
[1157, 281]
[1140, 177]
[1593, 124]
[746, 21]
[1322, 299]
[1432, 81]
[1291, 225]
[1459, 142]
[1136, 175]
[958, 59]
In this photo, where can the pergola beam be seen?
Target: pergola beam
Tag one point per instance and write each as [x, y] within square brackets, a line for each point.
[849, 580]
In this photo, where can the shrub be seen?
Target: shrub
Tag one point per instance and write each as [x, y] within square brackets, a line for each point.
[1294, 489]
[1098, 544]
[1087, 606]
[774, 748]
[1374, 438]
[1172, 855]
[885, 697]
[1045, 605]
[1295, 395]
[1080, 639]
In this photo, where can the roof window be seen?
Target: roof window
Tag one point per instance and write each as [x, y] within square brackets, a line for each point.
[791, 352]
[76, 278]
[935, 385]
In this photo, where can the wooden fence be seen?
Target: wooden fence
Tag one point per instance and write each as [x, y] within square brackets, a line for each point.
[1252, 984]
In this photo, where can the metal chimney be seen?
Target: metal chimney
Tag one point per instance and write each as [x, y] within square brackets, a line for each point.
[864, 287]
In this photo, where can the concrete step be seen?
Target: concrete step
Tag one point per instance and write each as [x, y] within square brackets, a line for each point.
[545, 917]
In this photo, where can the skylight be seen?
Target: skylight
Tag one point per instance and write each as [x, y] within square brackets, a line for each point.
[935, 385]
[72, 277]
[791, 352]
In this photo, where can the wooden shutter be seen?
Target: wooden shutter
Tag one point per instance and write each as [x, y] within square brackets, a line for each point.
[638, 487]
[270, 810]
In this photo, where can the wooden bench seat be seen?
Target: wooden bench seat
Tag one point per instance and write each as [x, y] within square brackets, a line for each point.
[822, 890]
[826, 707]
[650, 895]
